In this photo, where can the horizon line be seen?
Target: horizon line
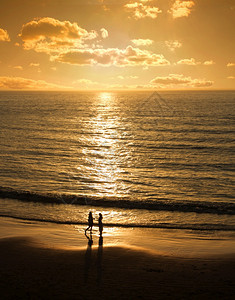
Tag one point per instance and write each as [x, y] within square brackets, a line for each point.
[116, 90]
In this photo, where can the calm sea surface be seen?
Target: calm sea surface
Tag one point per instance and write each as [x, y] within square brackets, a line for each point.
[143, 159]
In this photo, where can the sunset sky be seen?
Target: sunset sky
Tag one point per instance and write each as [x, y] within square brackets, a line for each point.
[117, 44]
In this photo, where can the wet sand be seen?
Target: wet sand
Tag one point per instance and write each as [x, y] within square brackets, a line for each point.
[32, 270]
[175, 243]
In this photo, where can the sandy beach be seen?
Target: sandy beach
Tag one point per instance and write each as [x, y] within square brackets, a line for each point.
[37, 266]
[31, 270]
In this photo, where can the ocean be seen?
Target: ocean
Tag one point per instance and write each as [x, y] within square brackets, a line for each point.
[143, 159]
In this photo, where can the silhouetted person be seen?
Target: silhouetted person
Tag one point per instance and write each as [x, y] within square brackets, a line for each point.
[90, 222]
[100, 224]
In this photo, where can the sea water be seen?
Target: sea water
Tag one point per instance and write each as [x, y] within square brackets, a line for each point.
[143, 159]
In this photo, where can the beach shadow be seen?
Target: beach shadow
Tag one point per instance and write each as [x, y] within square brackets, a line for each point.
[99, 260]
[88, 256]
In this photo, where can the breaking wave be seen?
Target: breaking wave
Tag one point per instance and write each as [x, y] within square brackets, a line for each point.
[227, 208]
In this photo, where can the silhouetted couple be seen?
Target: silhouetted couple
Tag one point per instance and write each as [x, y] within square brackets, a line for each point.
[88, 256]
[91, 223]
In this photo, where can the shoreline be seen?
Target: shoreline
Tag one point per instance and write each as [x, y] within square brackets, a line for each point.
[36, 271]
[175, 243]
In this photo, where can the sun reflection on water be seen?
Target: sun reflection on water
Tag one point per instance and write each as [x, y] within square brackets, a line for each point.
[105, 97]
[104, 153]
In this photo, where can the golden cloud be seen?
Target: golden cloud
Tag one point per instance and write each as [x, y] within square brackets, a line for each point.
[179, 79]
[104, 33]
[142, 42]
[4, 36]
[34, 64]
[126, 77]
[172, 45]
[193, 62]
[231, 65]
[188, 61]
[140, 10]
[85, 81]
[19, 83]
[48, 34]
[18, 67]
[181, 8]
[208, 62]
[85, 84]
[112, 56]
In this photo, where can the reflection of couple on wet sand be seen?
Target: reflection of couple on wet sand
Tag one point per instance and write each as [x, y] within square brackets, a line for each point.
[91, 223]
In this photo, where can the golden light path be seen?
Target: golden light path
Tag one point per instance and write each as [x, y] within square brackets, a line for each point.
[103, 156]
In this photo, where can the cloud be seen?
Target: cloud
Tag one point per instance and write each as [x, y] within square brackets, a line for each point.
[193, 62]
[126, 77]
[231, 77]
[85, 83]
[112, 56]
[34, 65]
[142, 42]
[117, 86]
[140, 10]
[188, 61]
[172, 45]
[104, 33]
[4, 36]
[18, 67]
[19, 83]
[48, 35]
[208, 62]
[181, 8]
[67, 42]
[230, 64]
[179, 79]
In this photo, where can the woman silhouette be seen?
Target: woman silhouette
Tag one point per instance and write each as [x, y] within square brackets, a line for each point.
[100, 224]
[90, 221]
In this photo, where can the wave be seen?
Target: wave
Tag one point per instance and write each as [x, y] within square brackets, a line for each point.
[198, 227]
[159, 204]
